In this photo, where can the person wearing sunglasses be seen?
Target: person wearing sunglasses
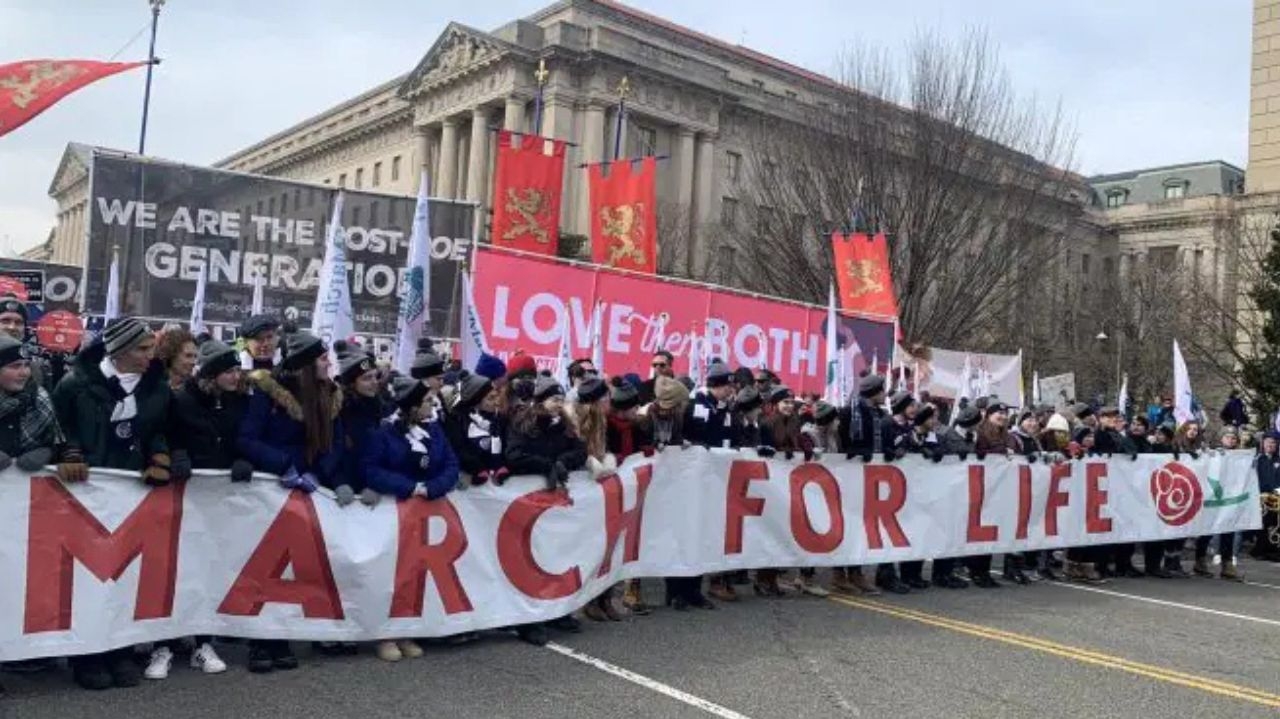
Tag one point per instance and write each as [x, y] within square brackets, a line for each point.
[662, 365]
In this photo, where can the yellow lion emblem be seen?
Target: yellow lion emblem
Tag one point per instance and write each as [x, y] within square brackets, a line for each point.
[865, 275]
[526, 205]
[623, 228]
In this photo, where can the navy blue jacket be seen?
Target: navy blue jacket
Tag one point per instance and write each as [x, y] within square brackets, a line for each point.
[708, 424]
[361, 419]
[1268, 472]
[392, 467]
[273, 437]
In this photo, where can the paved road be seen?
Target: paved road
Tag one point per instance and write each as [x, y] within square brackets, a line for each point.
[1133, 648]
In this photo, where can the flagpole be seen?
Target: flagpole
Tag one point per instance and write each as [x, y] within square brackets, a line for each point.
[624, 87]
[540, 75]
[151, 64]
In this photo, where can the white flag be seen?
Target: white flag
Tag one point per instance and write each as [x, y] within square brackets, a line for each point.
[1182, 397]
[695, 360]
[902, 378]
[1022, 389]
[1035, 389]
[565, 357]
[848, 377]
[915, 379]
[417, 286]
[831, 391]
[597, 337]
[332, 317]
[962, 388]
[112, 309]
[474, 342]
[1122, 401]
[258, 285]
[197, 303]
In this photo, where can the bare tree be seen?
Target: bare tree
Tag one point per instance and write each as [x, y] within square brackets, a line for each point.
[937, 151]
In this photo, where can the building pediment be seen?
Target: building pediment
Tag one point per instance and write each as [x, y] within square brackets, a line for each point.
[460, 50]
[72, 168]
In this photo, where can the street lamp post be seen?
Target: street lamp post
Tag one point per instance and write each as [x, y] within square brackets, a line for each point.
[1102, 337]
[151, 64]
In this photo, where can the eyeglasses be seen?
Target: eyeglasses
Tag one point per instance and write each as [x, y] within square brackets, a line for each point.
[659, 365]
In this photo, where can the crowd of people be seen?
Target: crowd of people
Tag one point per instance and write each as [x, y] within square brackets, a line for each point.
[164, 404]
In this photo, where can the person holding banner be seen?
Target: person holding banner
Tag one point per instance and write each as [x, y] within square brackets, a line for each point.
[363, 408]
[543, 441]
[409, 458]
[113, 409]
[1267, 545]
[176, 349]
[260, 337]
[29, 431]
[477, 430]
[627, 434]
[292, 428]
[861, 437]
[590, 416]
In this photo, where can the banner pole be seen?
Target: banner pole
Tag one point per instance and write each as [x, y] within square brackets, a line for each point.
[151, 64]
[540, 75]
[624, 87]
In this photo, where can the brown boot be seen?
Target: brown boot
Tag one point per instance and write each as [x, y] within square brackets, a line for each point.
[632, 601]
[840, 582]
[862, 583]
[721, 589]
[766, 583]
[1231, 574]
[1202, 568]
[594, 612]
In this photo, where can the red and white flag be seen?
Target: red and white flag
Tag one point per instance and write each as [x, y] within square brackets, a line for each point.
[30, 87]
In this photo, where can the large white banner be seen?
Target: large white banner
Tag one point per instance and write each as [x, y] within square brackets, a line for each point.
[110, 562]
[989, 374]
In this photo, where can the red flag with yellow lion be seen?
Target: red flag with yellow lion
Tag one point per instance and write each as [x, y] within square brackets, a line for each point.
[526, 193]
[862, 274]
[624, 228]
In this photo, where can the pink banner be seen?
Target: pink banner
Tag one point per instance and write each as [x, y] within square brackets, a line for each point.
[521, 299]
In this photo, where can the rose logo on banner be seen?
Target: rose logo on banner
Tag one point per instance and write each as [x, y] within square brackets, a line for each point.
[1177, 494]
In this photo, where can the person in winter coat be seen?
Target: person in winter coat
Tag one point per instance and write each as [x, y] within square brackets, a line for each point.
[709, 421]
[1193, 443]
[662, 365]
[1267, 543]
[1163, 559]
[959, 440]
[477, 431]
[204, 423]
[922, 439]
[1139, 435]
[408, 458]
[994, 438]
[665, 414]
[747, 408]
[783, 433]
[590, 412]
[13, 323]
[113, 409]
[1026, 436]
[895, 443]
[293, 429]
[543, 440]
[821, 429]
[1233, 413]
[261, 339]
[1111, 440]
[860, 436]
[363, 409]
[627, 434]
[176, 350]
[29, 431]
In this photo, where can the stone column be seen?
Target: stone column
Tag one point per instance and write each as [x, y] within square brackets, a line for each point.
[513, 115]
[684, 171]
[592, 145]
[422, 147]
[1124, 268]
[447, 172]
[464, 162]
[477, 166]
[704, 203]
[558, 123]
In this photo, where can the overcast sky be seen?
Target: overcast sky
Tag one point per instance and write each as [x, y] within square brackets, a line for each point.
[1145, 82]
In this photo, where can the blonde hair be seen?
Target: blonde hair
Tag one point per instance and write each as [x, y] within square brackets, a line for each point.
[591, 420]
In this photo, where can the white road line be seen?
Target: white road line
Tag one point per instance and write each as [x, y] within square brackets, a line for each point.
[1262, 584]
[1176, 605]
[650, 684]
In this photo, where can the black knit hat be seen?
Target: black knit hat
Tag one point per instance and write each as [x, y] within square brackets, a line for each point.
[871, 385]
[718, 374]
[900, 402]
[353, 364]
[824, 414]
[258, 324]
[779, 393]
[747, 399]
[472, 390]
[623, 396]
[408, 392]
[124, 334]
[11, 351]
[427, 365]
[1081, 410]
[1080, 434]
[995, 407]
[545, 388]
[924, 414]
[12, 305]
[969, 417]
[301, 349]
[213, 358]
[592, 390]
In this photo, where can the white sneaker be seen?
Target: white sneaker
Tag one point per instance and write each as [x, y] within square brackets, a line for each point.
[161, 661]
[207, 660]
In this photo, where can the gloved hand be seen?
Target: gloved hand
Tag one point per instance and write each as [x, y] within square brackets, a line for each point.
[370, 498]
[766, 451]
[596, 468]
[1133, 456]
[789, 455]
[5, 461]
[420, 490]
[868, 457]
[558, 476]
[890, 456]
[481, 477]
[181, 466]
[241, 471]
[647, 451]
[937, 456]
[344, 495]
[810, 453]
[35, 460]
[980, 455]
[293, 480]
[73, 468]
[1032, 457]
[500, 476]
[1176, 455]
[1194, 455]
[964, 456]
[157, 473]
[686, 444]
[610, 461]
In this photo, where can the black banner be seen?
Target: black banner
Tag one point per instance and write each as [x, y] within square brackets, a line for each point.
[168, 221]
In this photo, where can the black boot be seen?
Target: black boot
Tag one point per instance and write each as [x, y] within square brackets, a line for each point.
[124, 670]
[567, 623]
[282, 657]
[535, 634]
[985, 580]
[259, 657]
[90, 672]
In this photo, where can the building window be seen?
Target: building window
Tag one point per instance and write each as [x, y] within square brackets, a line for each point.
[373, 213]
[732, 166]
[271, 206]
[395, 169]
[1117, 198]
[297, 199]
[342, 180]
[646, 141]
[377, 174]
[355, 216]
[1175, 191]
[729, 212]
[359, 177]
[1086, 264]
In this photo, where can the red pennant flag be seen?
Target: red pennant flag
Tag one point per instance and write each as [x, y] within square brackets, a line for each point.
[526, 196]
[862, 274]
[624, 227]
[30, 87]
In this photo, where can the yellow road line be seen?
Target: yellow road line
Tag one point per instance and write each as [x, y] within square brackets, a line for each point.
[1163, 674]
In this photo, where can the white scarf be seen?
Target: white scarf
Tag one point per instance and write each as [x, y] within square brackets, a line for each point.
[246, 359]
[418, 438]
[127, 408]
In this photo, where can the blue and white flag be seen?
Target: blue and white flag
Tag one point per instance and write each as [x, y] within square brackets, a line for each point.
[417, 285]
[473, 339]
[256, 308]
[564, 357]
[332, 318]
[197, 303]
[112, 309]
[832, 392]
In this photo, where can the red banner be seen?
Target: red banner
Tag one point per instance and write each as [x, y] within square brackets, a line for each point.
[528, 181]
[863, 275]
[30, 87]
[624, 225]
[521, 299]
